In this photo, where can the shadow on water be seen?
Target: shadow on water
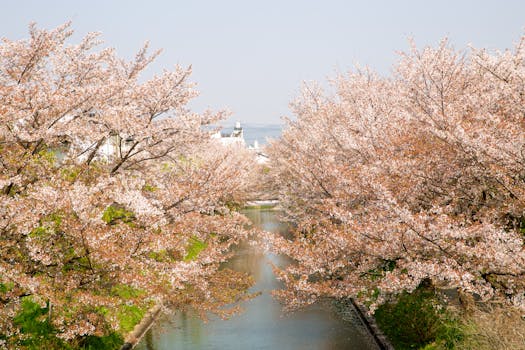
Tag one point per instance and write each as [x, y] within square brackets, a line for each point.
[262, 325]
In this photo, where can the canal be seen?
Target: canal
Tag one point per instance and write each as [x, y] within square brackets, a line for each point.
[262, 325]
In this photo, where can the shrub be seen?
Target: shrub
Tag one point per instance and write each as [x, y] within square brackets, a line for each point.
[418, 320]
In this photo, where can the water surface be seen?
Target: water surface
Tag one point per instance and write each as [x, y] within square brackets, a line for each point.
[262, 325]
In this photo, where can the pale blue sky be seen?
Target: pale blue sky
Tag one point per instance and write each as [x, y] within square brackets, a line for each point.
[251, 56]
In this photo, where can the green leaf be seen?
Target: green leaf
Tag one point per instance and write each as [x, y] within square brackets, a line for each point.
[194, 248]
[113, 214]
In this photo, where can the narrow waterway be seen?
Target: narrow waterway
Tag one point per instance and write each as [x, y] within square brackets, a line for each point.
[262, 325]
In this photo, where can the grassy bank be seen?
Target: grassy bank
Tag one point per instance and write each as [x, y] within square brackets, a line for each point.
[33, 326]
[424, 320]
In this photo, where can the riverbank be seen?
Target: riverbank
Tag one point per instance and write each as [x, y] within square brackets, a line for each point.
[352, 311]
[141, 328]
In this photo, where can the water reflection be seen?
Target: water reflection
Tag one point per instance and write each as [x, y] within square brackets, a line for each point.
[262, 324]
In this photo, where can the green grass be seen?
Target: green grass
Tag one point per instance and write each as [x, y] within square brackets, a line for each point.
[107, 342]
[129, 316]
[418, 320]
[128, 313]
[37, 331]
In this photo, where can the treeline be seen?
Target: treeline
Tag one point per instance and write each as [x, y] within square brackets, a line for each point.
[114, 197]
[410, 179]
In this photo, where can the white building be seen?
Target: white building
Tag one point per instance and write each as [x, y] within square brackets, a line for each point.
[236, 138]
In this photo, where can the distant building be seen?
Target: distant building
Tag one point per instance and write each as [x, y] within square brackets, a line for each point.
[237, 131]
[236, 138]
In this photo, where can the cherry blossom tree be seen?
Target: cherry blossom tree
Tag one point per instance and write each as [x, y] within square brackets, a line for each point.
[419, 176]
[114, 196]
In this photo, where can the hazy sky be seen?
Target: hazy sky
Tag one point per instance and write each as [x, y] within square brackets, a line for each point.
[251, 56]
